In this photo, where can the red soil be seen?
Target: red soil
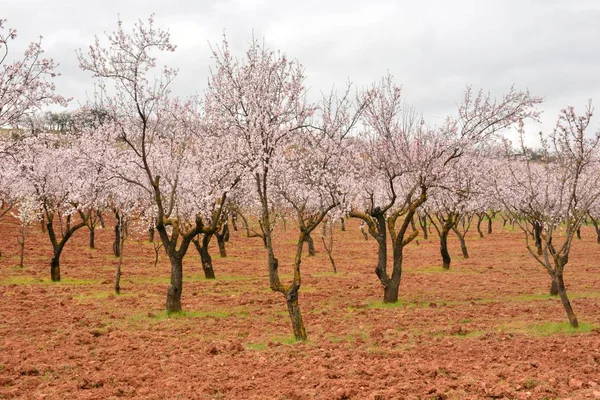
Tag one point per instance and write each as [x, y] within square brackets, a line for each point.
[472, 332]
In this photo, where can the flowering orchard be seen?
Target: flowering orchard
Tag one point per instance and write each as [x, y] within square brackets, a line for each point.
[254, 153]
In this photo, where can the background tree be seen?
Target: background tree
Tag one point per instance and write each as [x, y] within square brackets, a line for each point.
[555, 193]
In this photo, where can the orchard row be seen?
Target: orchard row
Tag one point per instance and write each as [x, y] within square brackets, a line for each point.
[255, 150]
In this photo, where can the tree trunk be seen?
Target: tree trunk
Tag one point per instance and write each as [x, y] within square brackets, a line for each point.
[119, 248]
[205, 258]
[311, 245]
[207, 266]
[578, 233]
[562, 291]
[55, 268]
[390, 292]
[234, 221]
[479, 221]
[463, 243]
[444, 249]
[221, 245]
[329, 247]
[291, 298]
[490, 220]
[92, 237]
[343, 224]
[151, 234]
[118, 275]
[537, 236]
[553, 288]
[363, 230]
[423, 223]
[176, 286]
[117, 241]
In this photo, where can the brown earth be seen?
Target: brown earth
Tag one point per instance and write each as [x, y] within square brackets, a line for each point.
[484, 329]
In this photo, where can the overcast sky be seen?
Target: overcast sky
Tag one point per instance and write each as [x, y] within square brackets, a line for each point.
[433, 48]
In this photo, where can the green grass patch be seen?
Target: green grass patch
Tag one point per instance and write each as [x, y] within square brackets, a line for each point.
[27, 280]
[398, 304]
[256, 346]
[290, 340]
[554, 328]
[164, 315]
[329, 273]
[430, 270]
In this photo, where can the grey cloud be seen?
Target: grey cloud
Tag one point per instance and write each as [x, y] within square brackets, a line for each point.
[433, 48]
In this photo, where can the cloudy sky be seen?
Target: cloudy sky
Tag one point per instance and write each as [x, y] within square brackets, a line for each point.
[433, 48]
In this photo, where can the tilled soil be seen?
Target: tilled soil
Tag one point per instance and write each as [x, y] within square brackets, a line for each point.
[484, 329]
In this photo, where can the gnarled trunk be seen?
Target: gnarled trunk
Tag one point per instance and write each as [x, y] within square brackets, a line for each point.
[291, 298]
[221, 245]
[205, 258]
[311, 245]
[176, 287]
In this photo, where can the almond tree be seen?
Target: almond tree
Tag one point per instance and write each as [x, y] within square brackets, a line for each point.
[555, 193]
[26, 85]
[161, 144]
[453, 203]
[401, 158]
[290, 161]
[51, 176]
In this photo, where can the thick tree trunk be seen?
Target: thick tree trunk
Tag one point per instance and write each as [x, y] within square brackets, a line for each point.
[205, 258]
[55, 268]
[291, 298]
[390, 292]
[92, 237]
[207, 266]
[444, 249]
[221, 245]
[176, 286]
[553, 288]
[311, 245]
[562, 291]
[490, 220]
